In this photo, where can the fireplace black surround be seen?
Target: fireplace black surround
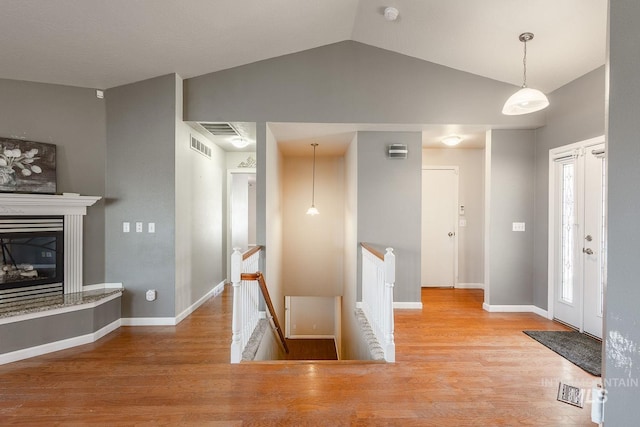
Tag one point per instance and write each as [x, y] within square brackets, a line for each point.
[31, 257]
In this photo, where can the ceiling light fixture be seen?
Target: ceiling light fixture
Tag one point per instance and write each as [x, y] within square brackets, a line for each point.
[452, 140]
[239, 142]
[526, 100]
[391, 13]
[312, 210]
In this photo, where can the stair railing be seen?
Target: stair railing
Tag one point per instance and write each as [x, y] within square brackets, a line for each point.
[246, 300]
[247, 283]
[257, 276]
[378, 279]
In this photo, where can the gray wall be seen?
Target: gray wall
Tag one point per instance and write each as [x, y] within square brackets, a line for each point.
[511, 200]
[390, 204]
[576, 112]
[141, 129]
[73, 119]
[347, 82]
[470, 164]
[350, 82]
[622, 334]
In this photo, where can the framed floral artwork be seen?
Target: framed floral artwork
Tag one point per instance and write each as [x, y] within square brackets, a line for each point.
[27, 166]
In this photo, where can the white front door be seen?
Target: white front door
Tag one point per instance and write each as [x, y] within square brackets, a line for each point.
[593, 245]
[439, 220]
[577, 235]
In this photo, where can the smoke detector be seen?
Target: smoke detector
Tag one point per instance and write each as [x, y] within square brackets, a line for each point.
[391, 13]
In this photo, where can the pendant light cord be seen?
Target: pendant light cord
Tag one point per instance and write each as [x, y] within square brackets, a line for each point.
[524, 63]
[313, 182]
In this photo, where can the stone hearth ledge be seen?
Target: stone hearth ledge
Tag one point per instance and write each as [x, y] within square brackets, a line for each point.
[48, 306]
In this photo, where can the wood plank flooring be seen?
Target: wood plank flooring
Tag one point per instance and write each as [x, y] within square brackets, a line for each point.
[457, 365]
[311, 349]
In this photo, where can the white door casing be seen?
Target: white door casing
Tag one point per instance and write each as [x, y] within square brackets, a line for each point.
[439, 226]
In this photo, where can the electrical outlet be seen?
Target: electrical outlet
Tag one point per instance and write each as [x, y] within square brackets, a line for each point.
[138, 227]
[126, 227]
[518, 226]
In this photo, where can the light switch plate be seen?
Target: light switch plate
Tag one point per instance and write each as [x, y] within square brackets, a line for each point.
[151, 227]
[126, 227]
[462, 223]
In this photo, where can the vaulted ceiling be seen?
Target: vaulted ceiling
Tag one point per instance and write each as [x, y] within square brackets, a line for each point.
[103, 44]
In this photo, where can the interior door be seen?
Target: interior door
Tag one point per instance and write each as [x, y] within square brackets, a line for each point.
[439, 215]
[578, 236]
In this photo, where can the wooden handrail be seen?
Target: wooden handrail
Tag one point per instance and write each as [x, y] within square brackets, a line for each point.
[267, 298]
[250, 252]
[373, 250]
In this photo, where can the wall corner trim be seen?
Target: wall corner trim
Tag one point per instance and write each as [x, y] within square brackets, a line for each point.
[515, 309]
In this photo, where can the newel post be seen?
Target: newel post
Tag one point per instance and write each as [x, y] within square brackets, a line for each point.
[389, 281]
[236, 327]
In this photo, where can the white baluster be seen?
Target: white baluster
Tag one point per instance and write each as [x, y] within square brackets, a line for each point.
[236, 325]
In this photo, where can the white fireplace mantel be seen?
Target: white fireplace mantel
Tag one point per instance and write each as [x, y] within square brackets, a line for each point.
[45, 204]
[73, 207]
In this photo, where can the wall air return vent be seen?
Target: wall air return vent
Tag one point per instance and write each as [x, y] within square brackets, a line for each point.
[200, 147]
[397, 151]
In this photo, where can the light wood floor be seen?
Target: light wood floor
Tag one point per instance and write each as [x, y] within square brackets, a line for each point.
[456, 365]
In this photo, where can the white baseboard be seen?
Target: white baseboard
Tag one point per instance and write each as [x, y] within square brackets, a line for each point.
[39, 350]
[217, 290]
[148, 321]
[172, 321]
[400, 305]
[470, 286]
[515, 309]
[407, 305]
[307, 337]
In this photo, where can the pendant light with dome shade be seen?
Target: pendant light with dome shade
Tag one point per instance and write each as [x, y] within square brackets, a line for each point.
[526, 100]
[313, 210]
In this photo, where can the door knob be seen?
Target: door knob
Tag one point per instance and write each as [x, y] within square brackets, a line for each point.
[587, 251]
[451, 234]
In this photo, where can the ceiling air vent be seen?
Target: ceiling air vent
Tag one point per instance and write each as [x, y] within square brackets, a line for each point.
[220, 129]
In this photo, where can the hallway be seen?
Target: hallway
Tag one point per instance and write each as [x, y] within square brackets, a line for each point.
[456, 365]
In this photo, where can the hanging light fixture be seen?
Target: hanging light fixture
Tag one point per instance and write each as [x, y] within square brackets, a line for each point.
[313, 210]
[526, 100]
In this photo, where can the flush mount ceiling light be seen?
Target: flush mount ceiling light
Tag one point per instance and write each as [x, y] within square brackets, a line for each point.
[526, 100]
[452, 140]
[239, 142]
[312, 210]
[391, 13]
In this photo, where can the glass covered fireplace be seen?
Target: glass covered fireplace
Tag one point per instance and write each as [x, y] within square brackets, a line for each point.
[31, 257]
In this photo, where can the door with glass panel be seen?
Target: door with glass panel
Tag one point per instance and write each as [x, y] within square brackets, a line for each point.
[577, 235]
